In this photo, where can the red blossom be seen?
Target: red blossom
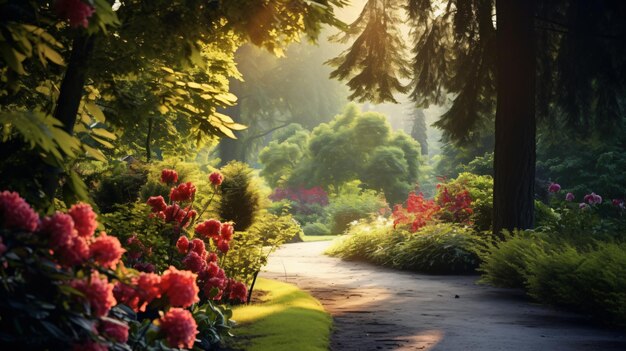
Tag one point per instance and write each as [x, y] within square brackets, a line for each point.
[98, 292]
[238, 291]
[418, 212]
[182, 244]
[212, 257]
[227, 231]
[106, 250]
[169, 176]
[209, 229]
[179, 328]
[194, 262]
[117, 331]
[16, 213]
[223, 246]
[74, 253]
[60, 228]
[180, 287]
[84, 219]
[216, 178]
[157, 203]
[183, 192]
[197, 245]
[76, 12]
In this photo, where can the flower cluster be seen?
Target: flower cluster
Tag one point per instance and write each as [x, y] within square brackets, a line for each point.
[77, 12]
[169, 176]
[457, 205]
[216, 178]
[220, 233]
[418, 212]
[16, 213]
[183, 192]
[179, 328]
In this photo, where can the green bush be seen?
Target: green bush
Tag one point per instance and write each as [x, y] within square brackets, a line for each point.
[505, 264]
[316, 228]
[592, 282]
[480, 188]
[242, 195]
[435, 249]
[351, 206]
[120, 184]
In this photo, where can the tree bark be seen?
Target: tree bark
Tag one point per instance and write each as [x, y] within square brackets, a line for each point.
[70, 94]
[514, 158]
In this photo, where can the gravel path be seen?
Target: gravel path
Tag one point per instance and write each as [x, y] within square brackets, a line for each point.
[376, 308]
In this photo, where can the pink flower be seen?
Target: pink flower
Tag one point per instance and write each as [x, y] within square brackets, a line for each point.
[84, 219]
[106, 250]
[209, 229]
[98, 292]
[169, 176]
[212, 257]
[3, 248]
[126, 295]
[197, 245]
[569, 197]
[74, 253]
[554, 188]
[157, 203]
[592, 199]
[238, 291]
[144, 267]
[182, 244]
[618, 203]
[216, 178]
[583, 206]
[148, 288]
[60, 229]
[74, 11]
[117, 331]
[183, 192]
[194, 262]
[179, 328]
[16, 213]
[180, 287]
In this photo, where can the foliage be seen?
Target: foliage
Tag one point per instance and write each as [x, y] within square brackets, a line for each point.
[352, 205]
[306, 205]
[119, 184]
[480, 191]
[315, 228]
[242, 195]
[418, 212]
[354, 146]
[437, 248]
[282, 155]
[251, 249]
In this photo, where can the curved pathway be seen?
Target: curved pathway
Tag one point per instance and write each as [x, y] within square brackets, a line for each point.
[376, 308]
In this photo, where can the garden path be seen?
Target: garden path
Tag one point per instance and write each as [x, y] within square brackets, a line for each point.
[376, 308]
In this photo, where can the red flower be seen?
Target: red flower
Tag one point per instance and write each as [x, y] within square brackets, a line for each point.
[148, 288]
[238, 291]
[554, 188]
[180, 287]
[179, 328]
[209, 229]
[117, 331]
[60, 229]
[144, 267]
[169, 176]
[216, 178]
[223, 246]
[106, 250]
[84, 219]
[212, 257]
[157, 203]
[227, 231]
[98, 292]
[172, 212]
[74, 253]
[127, 295]
[182, 244]
[74, 11]
[197, 245]
[194, 262]
[183, 192]
[16, 213]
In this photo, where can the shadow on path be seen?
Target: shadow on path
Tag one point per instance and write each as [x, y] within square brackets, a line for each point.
[376, 308]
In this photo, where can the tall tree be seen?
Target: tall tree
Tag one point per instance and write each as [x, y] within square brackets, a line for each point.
[458, 53]
[419, 130]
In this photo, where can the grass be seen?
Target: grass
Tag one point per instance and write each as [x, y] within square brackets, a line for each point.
[309, 238]
[286, 319]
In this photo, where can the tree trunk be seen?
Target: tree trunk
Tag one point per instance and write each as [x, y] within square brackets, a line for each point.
[70, 95]
[514, 158]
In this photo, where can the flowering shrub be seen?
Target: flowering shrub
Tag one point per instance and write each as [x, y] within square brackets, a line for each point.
[454, 207]
[306, 205]
[417, 213]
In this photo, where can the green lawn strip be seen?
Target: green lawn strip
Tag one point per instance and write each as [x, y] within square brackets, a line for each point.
[286, 319]
[309, 238]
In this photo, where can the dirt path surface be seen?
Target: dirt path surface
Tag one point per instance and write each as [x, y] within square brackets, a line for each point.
[376, 308]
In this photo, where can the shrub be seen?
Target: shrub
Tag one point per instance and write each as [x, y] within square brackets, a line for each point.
[480, 189]
[436, 249]
[120, 184]
[316, 228]
[242, 194]
[352, 206]
[306, 205]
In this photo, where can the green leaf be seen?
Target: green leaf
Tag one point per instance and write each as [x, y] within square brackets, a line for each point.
[51, 54]
[95, 111]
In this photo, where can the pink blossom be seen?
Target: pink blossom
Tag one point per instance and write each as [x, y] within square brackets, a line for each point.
[179, 328]
[554, 188]
[59, 228]
[169, 176]
[16, 213]
[157, 203]
[106, 250]
[3, 248]
[569, 197]
[216, 178]
[182, 244]
[180, 287]
[76, 12]
[209, 229]
[117, 331]
[74, 253]
[84, 219]
[592, 199]
[98, 292]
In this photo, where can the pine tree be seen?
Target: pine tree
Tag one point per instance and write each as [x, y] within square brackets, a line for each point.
[418, 131]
